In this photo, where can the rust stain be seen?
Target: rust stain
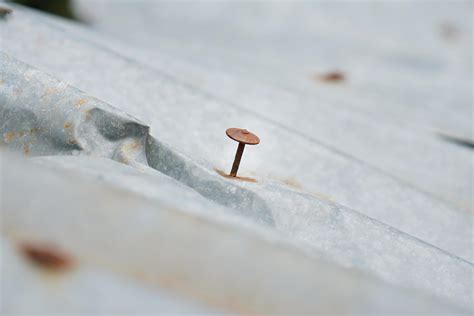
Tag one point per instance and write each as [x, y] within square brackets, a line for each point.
[49, 92]
[87, 114]
[127, 148]
[67, 125]
[26, 148]
[46, 256]
[291, 182]
[331, 77]
[8, 137]
[228, 176]
[323, 196]
[80, 102]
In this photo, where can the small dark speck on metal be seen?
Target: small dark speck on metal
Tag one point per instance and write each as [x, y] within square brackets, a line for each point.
[333, 77]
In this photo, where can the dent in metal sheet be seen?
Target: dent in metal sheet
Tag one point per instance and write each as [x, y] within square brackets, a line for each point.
[70, 123]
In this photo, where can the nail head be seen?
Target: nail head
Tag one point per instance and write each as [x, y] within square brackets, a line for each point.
[242, 136]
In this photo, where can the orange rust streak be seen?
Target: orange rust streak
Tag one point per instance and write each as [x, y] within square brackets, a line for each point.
[332, 77]
[291, 182]
[8, 137]
[80, 102]
[45, 256]
[225, 175]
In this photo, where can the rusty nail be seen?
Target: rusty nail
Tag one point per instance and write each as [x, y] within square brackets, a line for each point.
[244, 137]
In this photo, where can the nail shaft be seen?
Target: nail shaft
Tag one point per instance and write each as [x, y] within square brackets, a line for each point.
[238, 156]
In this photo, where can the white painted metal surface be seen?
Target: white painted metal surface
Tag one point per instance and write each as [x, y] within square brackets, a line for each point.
[358, 204]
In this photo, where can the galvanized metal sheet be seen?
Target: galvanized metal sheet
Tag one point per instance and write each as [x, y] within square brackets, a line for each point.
[143, 128]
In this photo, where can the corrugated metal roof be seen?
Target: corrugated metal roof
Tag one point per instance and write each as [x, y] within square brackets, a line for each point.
[348, 175]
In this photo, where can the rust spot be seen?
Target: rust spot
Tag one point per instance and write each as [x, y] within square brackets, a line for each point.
[49, 92]
[228, 176]
[130, 147]
[45, 255]
[67, 125]
[8, 137]
[87, 114]
[291, 182]
[80, 102]
[26, 148]
[332, 77]
[11, 136]
[323, 196]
